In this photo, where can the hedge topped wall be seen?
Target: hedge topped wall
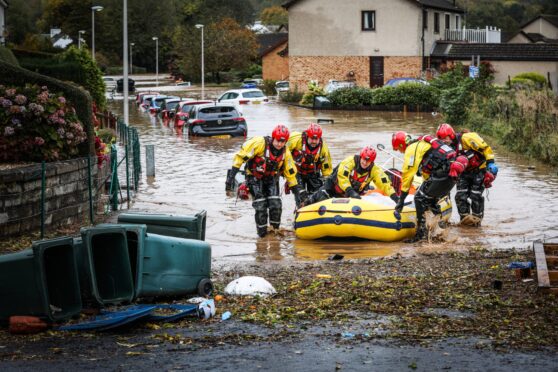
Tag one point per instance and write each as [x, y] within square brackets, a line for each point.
[80, 98]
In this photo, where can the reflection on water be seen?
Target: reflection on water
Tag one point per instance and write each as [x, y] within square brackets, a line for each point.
[190, 176]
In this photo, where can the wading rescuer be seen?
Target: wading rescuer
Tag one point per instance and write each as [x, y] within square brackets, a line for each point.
[311, 156]
[352, 177]
[479, 174]
[440, 168]
[266, 158]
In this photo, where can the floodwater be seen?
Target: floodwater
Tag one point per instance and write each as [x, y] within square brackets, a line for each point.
[190, 176]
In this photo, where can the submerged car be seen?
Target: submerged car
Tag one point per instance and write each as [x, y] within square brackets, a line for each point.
[243, 97]
[182, 111]
[282, 86]
[168, 106]
[334, 85]
[406, 80]
[216, 119]
[156, 103]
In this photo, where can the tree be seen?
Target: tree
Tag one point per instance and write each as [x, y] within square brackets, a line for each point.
[227, 46]
[274, 15]
[211, 11]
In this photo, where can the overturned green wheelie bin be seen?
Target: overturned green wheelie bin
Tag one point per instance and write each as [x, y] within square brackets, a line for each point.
[165, 265]
[41, 281]
[104, 266]
[189, 227]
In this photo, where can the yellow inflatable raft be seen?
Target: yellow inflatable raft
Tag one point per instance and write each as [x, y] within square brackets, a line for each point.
[370, 218]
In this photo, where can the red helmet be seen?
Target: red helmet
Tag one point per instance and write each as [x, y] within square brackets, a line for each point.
[399, 140]
[314, 131]
[368, 153]
[445, 130]
[280, 133]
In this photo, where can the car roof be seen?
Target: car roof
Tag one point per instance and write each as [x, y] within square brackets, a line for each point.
[243, 90]
[218, 104]
[195, 102]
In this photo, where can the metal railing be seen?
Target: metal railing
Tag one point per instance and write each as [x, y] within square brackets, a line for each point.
[478, 35]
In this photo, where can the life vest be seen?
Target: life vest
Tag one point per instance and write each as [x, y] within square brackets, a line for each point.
[438, 158]
[476, 159]
[307, 160]
[268, 165]
[357, 182]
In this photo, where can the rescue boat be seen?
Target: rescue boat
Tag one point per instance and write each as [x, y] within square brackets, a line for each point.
[371, 217]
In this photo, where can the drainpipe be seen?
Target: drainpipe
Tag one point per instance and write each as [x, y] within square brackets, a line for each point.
[422, 37]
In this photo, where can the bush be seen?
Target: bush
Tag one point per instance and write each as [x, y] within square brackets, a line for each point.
[522, 83]
[118, 70]
[351, 97]
[314, 90]
[291, 96]
[7, 56]
[538, 79]
[269, 87]
[37, 125]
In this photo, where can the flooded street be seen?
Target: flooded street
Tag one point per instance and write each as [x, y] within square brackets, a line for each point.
[190, 176]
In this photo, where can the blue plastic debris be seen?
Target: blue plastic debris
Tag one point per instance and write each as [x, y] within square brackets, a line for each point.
[348, 335]
[226, 315]
[521, 265]
[182, 310]
[109, 320]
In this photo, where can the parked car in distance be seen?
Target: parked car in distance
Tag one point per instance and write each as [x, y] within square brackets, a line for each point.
[110, 83]
[334, 85]
[243, 97]
[398, 81]
[140, 96]
[146, 101]
[156, 103]
[281, 86]
[182, 110]
[216, 119]
[168, 106]
[251, 83]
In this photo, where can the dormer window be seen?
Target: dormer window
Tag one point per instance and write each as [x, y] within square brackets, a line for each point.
[368, 20]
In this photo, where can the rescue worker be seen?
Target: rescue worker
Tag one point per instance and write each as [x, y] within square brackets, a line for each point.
[311, 156]
[266, 158]
[439, 166]
[479, 174]
[352, 176]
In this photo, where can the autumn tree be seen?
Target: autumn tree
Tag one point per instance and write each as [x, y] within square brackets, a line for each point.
[274, 15]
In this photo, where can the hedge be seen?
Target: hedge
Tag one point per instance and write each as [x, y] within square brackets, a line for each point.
[6, 55]
[404, 94]
[80, 98]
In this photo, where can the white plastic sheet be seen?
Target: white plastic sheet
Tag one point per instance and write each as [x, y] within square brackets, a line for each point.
[250, 286]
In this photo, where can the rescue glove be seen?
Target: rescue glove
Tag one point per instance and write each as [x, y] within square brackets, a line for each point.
[301, 195]
[401, 201]
[458, 166]
[488, 179]
[231, 174]
[492, 168]
[394, 197]
[351, 193]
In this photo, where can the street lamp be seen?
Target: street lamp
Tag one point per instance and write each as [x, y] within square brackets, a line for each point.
[80, 32]
[131, 64]
[96, 8]
[156, 59]
[202, 66]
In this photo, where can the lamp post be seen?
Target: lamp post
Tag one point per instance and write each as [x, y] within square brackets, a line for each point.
[125, 79]
[202, 62]
[156, 59]
[80, 32]
[96, 8]
[131, 64]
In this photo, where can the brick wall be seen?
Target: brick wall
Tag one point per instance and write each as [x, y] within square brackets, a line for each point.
[275, 67]
[66, 195]
[302, 69]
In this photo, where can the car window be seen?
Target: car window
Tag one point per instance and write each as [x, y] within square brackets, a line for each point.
[282, 85]
[192, 113]
[253, 94]
[217, 112]
[159, 101]
[171, 105]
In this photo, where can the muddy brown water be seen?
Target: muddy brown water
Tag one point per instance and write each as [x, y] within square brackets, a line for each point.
[190, 176]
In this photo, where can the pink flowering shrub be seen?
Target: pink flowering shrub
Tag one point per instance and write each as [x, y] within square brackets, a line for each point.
[36, 125]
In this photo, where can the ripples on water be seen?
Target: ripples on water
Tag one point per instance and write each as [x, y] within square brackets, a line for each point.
[190, 176]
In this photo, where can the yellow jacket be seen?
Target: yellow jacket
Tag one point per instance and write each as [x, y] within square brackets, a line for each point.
[411, 164]
[472, 141]
[375, 174]
[256, 147]
[323, 158]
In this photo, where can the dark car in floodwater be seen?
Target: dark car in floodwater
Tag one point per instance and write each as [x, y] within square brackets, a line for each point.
[216, 119]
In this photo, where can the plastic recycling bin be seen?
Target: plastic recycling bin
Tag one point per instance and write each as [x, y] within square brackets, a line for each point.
[165, 265]
[104, 266]
[41, 281]
[189, 227]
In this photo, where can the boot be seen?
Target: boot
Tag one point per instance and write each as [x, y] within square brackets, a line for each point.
[419, 235]
[262, 231]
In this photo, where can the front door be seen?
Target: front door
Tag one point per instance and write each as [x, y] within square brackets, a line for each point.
[376, 72]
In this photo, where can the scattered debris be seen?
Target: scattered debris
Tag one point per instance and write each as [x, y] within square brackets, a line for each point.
[250, 286]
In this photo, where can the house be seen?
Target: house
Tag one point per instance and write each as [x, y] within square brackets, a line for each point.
[541, 29]
[368, 41]
[58, 39]
[274, 54]
[3, 29]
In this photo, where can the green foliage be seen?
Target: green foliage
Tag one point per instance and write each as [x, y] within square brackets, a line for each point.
[37, 125]
[117, 70]
[107, 135]
[7, 56]
[291, 96]
[269, 87]
[351, 97]
[314, 90]
[538, 79]
[78, 97]
[520, 83]
[274, 15]
[404, 94]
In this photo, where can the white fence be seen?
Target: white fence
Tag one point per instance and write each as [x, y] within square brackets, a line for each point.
[479, 35]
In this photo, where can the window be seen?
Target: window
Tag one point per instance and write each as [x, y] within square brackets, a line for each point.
[457, 25]
[436, 23]
[447, 25]
[425, 19]
[368, 20]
